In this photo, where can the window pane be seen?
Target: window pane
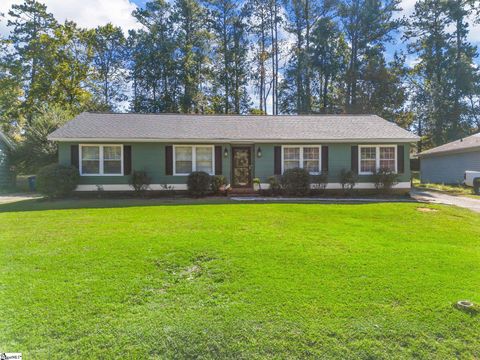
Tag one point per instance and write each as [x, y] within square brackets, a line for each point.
[112, 167]
[112, 153]
[368, 159]
[204, 159]
[90, 153]
[291, 153]
[311, 159]
[183, 159]
[90, 160]
[387, 158]
[291, 164]
[90, 167]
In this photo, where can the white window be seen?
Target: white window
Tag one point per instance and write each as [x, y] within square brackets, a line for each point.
[306, 157]
[189, 158]
[101, 160]
[376, 157]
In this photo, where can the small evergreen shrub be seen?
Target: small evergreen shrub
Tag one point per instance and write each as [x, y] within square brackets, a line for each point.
[140, 182]
[296, 182]
[56, 181]
[385, 179]
[275, 187]
[348, 179]
[476, 185]
[319, 182]
[198, 183]
[217, 182]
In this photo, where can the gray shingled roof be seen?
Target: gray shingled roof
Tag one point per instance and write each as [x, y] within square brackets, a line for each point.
[463, 145]
[158, 127]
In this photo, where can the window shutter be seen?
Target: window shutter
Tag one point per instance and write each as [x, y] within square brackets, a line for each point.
[324, 159]
[218, 160]
[401, 159]
[127, 159]
[277, 160]
[169, 160]
[74, 161]
[354, 159]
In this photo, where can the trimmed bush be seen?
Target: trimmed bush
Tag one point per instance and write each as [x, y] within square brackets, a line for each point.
[348, 179]
[140, 182]
[275, 187]
[319, 182]
[216, 183]
[385, 179]
[198, 183]
[296, 182]
[56, 181]
[476, 185]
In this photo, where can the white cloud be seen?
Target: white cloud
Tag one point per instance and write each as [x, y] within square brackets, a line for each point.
[86, 13]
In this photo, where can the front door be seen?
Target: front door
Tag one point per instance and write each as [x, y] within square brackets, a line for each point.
[242, 166]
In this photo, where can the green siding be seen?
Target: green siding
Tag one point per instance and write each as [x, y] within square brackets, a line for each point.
[150, 157]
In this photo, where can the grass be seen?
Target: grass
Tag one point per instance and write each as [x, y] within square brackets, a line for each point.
[451, 189]
[238, 280]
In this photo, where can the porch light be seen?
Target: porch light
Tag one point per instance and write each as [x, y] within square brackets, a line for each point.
[225, 152]
[259, 152]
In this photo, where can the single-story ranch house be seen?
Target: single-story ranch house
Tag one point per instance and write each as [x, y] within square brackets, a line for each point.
[106, 148]
[447, 163]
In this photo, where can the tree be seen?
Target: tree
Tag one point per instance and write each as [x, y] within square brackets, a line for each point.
[152, 60]
[367, 24]
[35, 150]
[29, 22]
[193, 49]
[230, 55]
[109, 65]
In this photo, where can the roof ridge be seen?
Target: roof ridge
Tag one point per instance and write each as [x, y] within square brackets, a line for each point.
[228, 115]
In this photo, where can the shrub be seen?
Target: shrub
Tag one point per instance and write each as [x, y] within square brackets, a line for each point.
[296, 182]
[216, 183]
[140, 182]
[476, 185]
[384, 179]
[348, 179]
[275, 188]
[198, 183]
[319, 182]
[57, 181]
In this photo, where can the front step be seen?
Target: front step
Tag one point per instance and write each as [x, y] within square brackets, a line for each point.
[242, 192]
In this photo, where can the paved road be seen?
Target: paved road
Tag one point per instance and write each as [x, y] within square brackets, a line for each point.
[441, 198]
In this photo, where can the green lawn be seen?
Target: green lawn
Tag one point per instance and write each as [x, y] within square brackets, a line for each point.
[238, 280]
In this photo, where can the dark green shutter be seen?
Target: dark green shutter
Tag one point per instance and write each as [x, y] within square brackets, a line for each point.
[169, 160]
[354, 159]
[218, 160]
[401, 159]
[277, 160]
[324, 159]
[127, 159]
[74, 156]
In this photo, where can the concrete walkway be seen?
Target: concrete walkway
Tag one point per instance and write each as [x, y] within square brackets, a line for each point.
[10, 198]
[442, 198]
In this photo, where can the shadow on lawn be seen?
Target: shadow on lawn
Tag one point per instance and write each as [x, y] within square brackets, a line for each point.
[107, 203]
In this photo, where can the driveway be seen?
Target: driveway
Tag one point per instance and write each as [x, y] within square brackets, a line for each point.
[441, 198]
[10, 198]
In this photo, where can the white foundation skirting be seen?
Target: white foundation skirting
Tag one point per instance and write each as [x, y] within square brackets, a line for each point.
[361, 186]
[161, 187]
[126, 187]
